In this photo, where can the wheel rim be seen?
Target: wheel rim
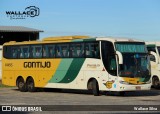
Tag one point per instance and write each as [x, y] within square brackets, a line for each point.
[20, 84]
[30, 85]
[156, 82]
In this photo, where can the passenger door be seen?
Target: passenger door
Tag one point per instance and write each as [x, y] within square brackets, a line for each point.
[109, 61]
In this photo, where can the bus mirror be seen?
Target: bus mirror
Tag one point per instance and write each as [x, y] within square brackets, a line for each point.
[153, 57]
[120, 57]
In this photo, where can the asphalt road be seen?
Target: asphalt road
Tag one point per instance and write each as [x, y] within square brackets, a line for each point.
[70, 100]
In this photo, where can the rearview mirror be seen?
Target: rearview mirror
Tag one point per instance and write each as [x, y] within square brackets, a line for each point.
[120, 57]
[153, 57]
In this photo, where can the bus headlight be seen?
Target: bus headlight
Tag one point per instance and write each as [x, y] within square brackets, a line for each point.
[123, 82]
[148, 82]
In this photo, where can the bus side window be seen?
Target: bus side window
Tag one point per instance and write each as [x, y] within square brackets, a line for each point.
[80, 50]
[97, 53]
[44, 52]
[62, 50]
[19, 53]
[31, 54]
[151, 49]
[65, 50]
[36, 51]
[87, 50]
[92, 50]
[23, 51]
[51, 51]
[77, 50]
[58, 51]
[8, 52]
[14, 53]
[71, 51]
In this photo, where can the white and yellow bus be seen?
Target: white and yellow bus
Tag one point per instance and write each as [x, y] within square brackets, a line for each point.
[0, 62]
[154, 50]
[77, 62]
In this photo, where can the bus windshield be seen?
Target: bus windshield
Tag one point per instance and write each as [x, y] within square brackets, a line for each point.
[135, 59]
[135, 65]
[131, 47]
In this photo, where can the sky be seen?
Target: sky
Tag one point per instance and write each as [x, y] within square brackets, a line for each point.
[138, 19]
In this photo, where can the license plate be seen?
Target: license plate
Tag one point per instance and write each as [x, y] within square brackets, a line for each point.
[138, 88]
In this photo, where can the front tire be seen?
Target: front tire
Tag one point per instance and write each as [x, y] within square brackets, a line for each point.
[95, 88]
[155, 82]
[21, 85]
[31, 85]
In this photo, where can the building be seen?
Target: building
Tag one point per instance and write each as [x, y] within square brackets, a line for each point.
[18, 33]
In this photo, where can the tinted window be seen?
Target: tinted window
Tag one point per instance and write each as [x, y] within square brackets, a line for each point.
[36, 51]
[108, 57]
[92, 50]
[24, 51]
[62, 50]
[151, 49]
[77, 50]
[68, 50]
[49, 51]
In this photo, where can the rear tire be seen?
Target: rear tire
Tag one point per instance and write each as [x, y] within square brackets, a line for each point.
[95, 88]
[21, 85]
[155, 82]
[30, 85]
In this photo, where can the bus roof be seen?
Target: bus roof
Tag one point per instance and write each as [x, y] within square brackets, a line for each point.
[111, 39]
[61, 38]
[118, 39]
[153, 43]
[73, 39]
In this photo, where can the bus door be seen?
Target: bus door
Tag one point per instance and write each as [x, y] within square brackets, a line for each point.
[112, 72]
[109, 61]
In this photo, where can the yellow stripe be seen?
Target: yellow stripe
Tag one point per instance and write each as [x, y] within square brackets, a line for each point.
[132, 80]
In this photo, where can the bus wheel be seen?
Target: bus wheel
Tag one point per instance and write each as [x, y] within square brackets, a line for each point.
[30, 85]
[95, 87]
[21, 85]
[155, 82]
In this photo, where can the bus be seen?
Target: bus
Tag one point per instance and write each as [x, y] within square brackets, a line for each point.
[77, 62]
[0, 62]
[154, 50]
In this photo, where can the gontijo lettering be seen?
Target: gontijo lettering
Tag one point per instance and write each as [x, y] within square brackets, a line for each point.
[46, 64]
